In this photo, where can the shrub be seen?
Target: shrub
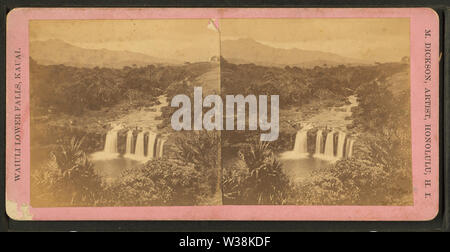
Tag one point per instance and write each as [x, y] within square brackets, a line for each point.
[201, 148]
[257, 178]
[361, 180]
[68, 178]
[156, 183]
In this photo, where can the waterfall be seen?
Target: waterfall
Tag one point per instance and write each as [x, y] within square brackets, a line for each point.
[340, 145]
[151, 145]
[110, 150]
[329, 145]
[300, 146]
[129, 145]
[301, 143]
[158, 146]
[139, 150]
[161, 148]
[349, 149]
[319, 142]
[111, 142]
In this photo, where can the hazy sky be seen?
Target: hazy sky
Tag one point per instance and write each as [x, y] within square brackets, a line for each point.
[190, 39]
[369, 39]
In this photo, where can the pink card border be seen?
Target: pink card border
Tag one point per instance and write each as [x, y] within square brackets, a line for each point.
[423, 209]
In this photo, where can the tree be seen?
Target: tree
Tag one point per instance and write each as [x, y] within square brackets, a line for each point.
[69, 178]
[159, 182]
[201, 148]
[257, 178]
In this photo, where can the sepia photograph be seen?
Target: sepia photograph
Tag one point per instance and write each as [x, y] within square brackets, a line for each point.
[100, 94]
[223, 125]
[180, 115]
[344, 111]
[192, 112]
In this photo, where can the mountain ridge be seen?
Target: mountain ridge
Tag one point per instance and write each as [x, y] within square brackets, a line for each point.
[55, 52]
[240, 51]
[246, 50]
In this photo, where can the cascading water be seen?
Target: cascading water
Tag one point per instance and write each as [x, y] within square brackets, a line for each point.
[111, 142]
[151, 145]
[109, 163]
[139, 150]
[340, 145]
[349, 149]
[319, 142]
[301, 143]
[300, 146]
[161, 148]
[158, 147]
[110, 150]
[129, 144]
[353, 103]
[329, 146]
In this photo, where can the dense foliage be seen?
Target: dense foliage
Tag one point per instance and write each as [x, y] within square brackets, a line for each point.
[256, 178]
[201, 148]
[68, 177]
[192, 178]
[72, 90]
[379, 172]
[159, 182]
[297, 86]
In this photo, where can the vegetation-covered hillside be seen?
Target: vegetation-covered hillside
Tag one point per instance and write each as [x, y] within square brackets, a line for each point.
[72, 90]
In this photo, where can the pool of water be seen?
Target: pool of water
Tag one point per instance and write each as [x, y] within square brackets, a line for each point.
[111, 169]
[298, 169]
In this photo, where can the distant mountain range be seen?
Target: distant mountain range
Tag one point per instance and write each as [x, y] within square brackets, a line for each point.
[54, 52]
[241, 51]
[244, 51]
